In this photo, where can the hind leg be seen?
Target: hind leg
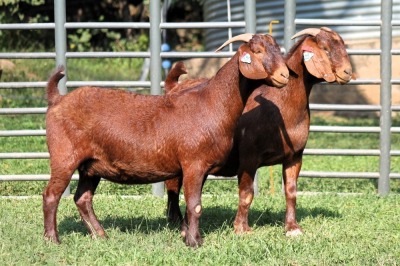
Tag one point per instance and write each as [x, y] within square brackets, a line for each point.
[173, 188]
[59, 180]
[83, 200]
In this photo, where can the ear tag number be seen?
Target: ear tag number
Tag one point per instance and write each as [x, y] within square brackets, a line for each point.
[307, 55]
[246, 58]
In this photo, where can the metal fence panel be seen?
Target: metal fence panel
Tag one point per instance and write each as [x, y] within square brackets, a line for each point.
[385, 108]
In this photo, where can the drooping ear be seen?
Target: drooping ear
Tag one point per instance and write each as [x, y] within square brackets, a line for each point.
[317, 61]
[250, 64]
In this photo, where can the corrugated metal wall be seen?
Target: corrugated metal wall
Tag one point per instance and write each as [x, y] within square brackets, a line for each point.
[366, 10]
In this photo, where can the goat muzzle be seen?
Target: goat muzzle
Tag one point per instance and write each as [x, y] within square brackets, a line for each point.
[344, 76]
[280, 77]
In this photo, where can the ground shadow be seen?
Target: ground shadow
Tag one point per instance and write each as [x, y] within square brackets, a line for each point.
[213, 219]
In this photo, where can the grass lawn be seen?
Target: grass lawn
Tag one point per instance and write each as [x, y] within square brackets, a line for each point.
[345, 230]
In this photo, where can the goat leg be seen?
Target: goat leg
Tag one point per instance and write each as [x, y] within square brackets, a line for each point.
[83, 200]
[173, 186]
[290, 174]
[51, 198]
[246, 194]
[192, 191]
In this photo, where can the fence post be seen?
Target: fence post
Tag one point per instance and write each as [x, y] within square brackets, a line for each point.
[61, 48]
[386, 96]
[155, 65]
[290, 26]
[251, 27]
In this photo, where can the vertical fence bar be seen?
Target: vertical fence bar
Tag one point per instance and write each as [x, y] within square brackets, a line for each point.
[386, 97]
[155, 66]
[61, 49]
[250, 15]
[290, 27]
[251, 27]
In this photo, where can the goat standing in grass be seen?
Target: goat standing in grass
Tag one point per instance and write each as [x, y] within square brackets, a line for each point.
[275, 123]
[130, 138]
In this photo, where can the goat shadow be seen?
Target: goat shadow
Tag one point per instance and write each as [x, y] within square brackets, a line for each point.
[212, 219]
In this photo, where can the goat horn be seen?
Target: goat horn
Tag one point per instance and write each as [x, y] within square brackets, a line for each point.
[310, 31]
[246, 37]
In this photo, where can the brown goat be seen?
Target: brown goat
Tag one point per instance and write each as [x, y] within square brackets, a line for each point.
[275, 124]
[130, 138]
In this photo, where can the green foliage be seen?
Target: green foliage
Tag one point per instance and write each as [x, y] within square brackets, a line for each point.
[41, 11]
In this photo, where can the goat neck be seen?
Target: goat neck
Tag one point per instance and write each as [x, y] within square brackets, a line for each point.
[231, 88]
[299, 72]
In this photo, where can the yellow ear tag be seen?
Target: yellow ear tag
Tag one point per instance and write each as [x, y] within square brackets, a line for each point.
[246, 58]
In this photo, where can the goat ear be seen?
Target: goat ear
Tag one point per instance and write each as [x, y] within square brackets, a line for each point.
[317, 62]
[250, 64]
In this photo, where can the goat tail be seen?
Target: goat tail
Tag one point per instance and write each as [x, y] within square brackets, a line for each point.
[53, 94]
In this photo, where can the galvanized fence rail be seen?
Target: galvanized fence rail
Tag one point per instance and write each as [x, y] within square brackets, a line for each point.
[60, 55]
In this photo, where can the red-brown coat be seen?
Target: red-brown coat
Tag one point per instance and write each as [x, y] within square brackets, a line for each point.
[134, 139]
[274, 126]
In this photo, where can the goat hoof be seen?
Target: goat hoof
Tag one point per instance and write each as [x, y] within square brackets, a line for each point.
[193, 242]
[52, 238]
[242, 229]
[294, 233]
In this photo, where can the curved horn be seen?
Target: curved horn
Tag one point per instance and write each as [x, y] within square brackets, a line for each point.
[310, 31]
[326, 29]
[246, 37]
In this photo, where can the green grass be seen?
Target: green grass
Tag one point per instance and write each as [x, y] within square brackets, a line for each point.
[338, 230]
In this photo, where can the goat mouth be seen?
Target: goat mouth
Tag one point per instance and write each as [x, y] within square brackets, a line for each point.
[279, 83]
[342, 80]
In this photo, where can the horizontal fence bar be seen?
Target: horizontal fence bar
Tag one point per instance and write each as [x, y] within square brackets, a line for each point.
[27, 26]
[342, 152]
[52, 55]
[328, 152]
[124, 25]
[313, 107]
[344, 129]
[321, 174]
[344, 107]
[25, 111]
[24, 155]
[24, 132]
[346, 175]
[184, 25]
[34, 177]
[41, 84]
[310, 174]
[107, 25]
[336, 22]
[313, 128]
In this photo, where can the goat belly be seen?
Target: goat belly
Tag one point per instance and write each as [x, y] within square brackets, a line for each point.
[125, 174]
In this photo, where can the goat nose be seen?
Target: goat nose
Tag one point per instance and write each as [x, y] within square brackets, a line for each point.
[285, 74]
[348, 71]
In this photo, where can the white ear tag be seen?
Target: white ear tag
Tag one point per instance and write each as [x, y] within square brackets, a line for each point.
[246, 58]
[307, 55]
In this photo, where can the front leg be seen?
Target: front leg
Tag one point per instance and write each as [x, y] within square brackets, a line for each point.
[246, 195]
[290, 173]
[192, 184]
